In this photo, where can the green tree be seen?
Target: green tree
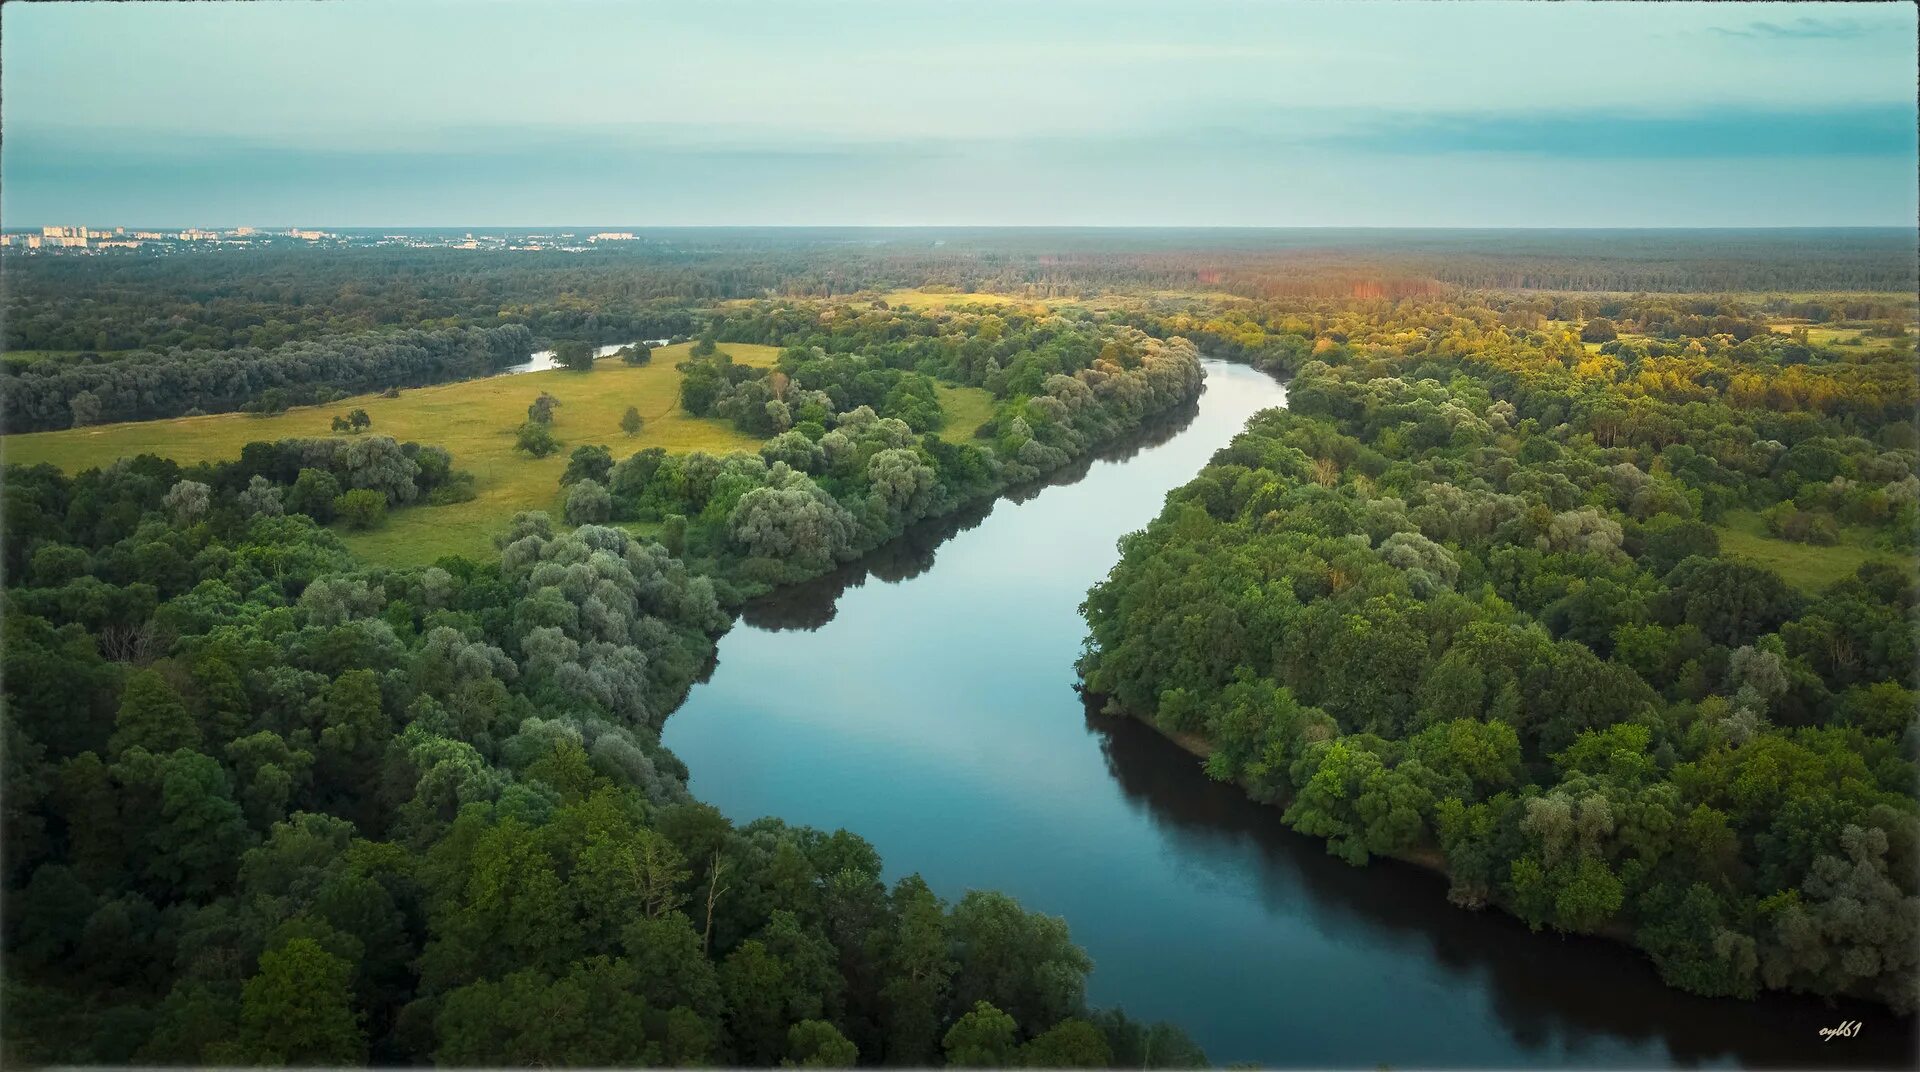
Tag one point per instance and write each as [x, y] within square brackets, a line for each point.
[818, 1044]
[917, 966]
[536, 438]
[152, 716]
[983, 1038]
[298, 1010]
[361, 508]
[313, 494]
[1068, 1044]
[630, 421]
[588, 463]
[575, 355]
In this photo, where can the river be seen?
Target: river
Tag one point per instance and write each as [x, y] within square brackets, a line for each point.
[924, 700]
[544, 361]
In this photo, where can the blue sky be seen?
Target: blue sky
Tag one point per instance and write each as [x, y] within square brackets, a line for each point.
[1392, 114]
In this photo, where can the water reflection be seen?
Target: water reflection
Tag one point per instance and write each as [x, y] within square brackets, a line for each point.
[544, 360]
[1549, 990]
[813, 603]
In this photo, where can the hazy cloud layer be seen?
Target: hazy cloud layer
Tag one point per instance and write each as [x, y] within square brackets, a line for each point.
[1119, 112]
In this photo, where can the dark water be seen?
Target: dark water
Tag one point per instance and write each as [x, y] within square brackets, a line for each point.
[924, 699]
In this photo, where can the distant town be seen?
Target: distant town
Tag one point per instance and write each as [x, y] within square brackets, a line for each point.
[104, 240]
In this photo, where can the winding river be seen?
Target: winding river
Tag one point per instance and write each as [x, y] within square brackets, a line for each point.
[924, 699]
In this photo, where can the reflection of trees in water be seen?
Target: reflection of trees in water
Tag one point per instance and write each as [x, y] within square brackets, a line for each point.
[812, 604]
[1549, 991]
[1155, 431]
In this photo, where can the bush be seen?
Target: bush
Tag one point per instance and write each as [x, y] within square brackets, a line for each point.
[458, 488]
[361, 508]
[536, 439]
[588, 503]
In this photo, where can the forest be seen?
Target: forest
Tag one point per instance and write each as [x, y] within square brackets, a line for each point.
[1465, 603]
[1472, 601]
[107, 306]
[266, 805]
[287, 807]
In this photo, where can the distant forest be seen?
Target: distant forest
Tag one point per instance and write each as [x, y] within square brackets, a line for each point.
[261, 299]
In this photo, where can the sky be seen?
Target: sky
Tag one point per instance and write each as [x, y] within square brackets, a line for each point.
[370, 113]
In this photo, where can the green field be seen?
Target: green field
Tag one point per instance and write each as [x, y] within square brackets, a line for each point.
[1805, 566]
[1842, 338]
[475, 420]
[966, 409]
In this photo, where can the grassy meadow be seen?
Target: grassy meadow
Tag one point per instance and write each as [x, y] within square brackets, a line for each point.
[1808, 567]
[475, 420]
[966, 409]
[1841, 338]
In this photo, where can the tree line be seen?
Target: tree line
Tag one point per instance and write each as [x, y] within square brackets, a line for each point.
[44, 396]
[263, 299]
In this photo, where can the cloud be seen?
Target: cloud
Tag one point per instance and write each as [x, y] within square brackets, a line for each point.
[1870, 130]
[1801, 29]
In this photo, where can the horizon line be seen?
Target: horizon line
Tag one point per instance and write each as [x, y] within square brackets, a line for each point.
[1903, 226]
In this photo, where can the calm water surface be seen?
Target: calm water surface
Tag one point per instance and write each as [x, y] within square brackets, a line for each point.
[924, 699]
[543, 360]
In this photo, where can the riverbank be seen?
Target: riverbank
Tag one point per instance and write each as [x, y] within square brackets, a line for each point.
[1435, 862]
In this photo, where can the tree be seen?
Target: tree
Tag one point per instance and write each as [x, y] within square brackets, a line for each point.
[800, 524]
[818, 1044]
[536, 438]
[361, 508]
[588, 503]
[188, 501]
[630, 421]
[359, 420]
[637, 354]
[262, 498]
[1599, 329]
[542, 408]
[341, 424]
[917, 966]
[574, 355]
[588, 463]
[983, 1038]
[298, 1010]
[152, 716]
[86, 409]
[313, 494]
[1068, 1044]
[1020, 961]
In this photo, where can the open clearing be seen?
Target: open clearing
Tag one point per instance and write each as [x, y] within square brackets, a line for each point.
[966, 409]
[1808, 567]
[1843, 338]
[474, 419]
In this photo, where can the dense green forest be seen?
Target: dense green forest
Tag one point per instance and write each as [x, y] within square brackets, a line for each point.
[265, 804]
[263, 299]
[1465, 603]
[324, 815]
[1469, 602]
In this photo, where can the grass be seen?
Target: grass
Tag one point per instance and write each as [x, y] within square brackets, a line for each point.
[1842, 338]
[919, 299]
[475, 420]
[1805, 566]
[966, 409]
[923, 300]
